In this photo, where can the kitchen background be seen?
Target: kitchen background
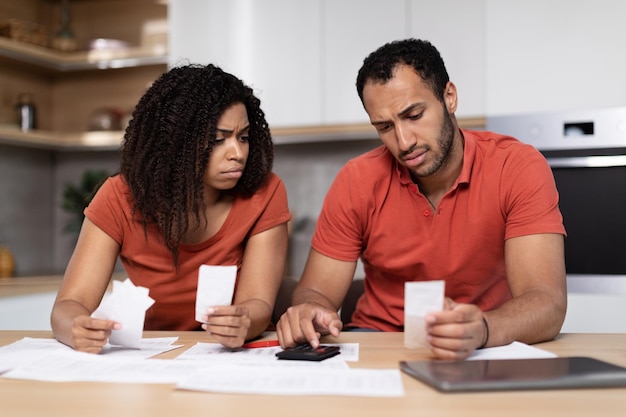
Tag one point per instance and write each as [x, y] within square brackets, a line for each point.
[301, 57]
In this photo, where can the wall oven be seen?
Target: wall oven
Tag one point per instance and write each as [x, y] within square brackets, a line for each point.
[587, 153]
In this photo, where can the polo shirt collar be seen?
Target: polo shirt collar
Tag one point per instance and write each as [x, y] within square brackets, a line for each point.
[469, 154]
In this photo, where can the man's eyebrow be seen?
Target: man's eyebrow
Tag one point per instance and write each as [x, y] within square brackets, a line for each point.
[403, 113]
[378, 122]
[410, 108]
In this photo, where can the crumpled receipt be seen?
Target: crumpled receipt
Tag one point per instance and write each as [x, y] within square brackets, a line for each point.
[126, 304]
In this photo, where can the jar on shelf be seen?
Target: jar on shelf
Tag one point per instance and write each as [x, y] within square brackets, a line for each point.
[7, 262]
[64, 39]
[27, 112]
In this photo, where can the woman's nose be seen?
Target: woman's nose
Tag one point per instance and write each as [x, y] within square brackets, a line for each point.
[234, 149]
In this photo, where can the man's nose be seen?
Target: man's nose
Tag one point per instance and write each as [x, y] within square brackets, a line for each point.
[405, 139]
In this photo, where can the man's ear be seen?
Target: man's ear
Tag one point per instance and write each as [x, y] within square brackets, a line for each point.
[450, 97]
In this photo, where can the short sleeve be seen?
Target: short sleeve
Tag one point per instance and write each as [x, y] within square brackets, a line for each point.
[339, 230]
[531, 201]
[110, 208]
[273, 197]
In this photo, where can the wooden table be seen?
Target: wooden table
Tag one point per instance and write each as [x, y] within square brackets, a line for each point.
[377, 350]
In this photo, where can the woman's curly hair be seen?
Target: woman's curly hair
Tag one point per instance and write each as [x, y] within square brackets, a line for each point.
[169, 139]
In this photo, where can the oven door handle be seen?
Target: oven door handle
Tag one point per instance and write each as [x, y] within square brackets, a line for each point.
[588, 161]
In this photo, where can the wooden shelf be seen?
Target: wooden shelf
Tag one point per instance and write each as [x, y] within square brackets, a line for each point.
[56, 61]
[347, 132]
[95, 141]
[107, 141]
[79, 61]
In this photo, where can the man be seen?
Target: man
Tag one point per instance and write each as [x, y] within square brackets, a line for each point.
[476, 209]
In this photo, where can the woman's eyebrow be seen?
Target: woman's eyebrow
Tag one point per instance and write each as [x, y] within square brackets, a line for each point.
[225, 130]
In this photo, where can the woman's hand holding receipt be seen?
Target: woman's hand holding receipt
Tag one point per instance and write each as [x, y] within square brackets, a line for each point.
[228, 324]
[90, 335]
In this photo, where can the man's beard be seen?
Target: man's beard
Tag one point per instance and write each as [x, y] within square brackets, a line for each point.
[445, 141]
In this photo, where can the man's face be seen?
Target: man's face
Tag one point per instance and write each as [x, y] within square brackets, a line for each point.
[411, 121]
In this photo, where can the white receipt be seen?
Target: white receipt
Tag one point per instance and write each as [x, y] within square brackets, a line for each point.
[127, 304]
[420, 298]
[216, 286]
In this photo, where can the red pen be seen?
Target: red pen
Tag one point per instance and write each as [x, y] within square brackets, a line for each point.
[261, 344]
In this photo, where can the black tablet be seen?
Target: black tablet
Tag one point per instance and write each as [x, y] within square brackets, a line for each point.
[516, 374]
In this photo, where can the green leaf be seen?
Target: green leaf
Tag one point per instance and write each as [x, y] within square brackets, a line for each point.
[77, 197]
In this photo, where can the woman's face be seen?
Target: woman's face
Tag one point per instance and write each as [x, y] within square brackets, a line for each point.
[230, 152]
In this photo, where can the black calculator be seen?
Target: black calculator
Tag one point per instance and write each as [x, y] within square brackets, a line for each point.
[307, 353]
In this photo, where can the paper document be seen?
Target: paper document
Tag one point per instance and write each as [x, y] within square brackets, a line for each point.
[204, 367]
[297, 381]
[79, 366]
[127, 304]
[216, 352]
[29, 349]
[216, 286]
[515, 350]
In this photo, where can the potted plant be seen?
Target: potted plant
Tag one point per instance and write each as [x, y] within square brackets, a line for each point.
[77, 197]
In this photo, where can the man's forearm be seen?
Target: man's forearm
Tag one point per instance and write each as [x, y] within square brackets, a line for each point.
[309, 295]
[529, 318]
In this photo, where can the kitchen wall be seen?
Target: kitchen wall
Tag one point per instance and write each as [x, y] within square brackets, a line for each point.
[32, 181]
[554, 55]
[31, 189]
[308, 170]
[507, 57]
[27, 223]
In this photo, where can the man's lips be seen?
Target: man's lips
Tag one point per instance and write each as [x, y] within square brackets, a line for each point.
[415, 158]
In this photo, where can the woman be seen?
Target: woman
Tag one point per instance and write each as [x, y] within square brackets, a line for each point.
[195, 187]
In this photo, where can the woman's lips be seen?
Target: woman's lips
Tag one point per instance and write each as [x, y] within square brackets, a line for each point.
[233, 173]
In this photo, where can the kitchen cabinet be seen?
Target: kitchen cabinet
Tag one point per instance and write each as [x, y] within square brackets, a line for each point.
[272, 45]
[554, 55]
[354, 28]
[457, 29]
[351, 30]
[300, 57]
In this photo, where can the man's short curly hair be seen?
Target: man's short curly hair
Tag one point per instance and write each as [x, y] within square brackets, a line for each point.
[425, 59]
[170, 138]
